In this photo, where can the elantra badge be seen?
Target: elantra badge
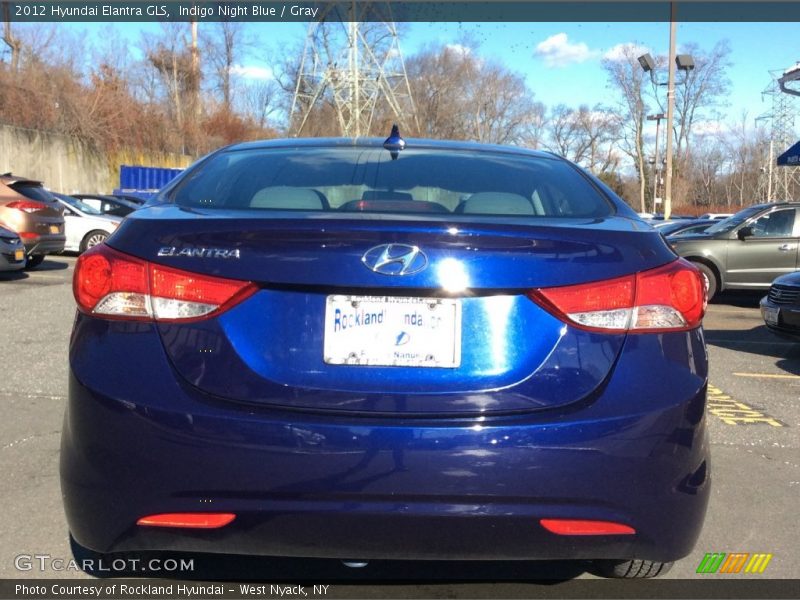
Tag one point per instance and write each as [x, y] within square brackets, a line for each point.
[395, 259]
[195, 252]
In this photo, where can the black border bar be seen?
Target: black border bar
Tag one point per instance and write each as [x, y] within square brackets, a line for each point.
[718, 588]
[601, 11]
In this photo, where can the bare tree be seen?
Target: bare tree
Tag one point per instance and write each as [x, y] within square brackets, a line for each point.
[585, 135]
[699, 95]
[702, 93]
[14, 43]
[260, 101]
[562, 130]
[708, 164]
[174, 56]
[223, 43]
[461, 96]
[628, 79]
[746, 149]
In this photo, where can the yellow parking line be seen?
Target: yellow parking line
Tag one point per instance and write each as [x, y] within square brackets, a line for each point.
[731, 412]
[767, 375]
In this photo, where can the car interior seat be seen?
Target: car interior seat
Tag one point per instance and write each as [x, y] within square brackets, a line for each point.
[289, 198]
[496, 203]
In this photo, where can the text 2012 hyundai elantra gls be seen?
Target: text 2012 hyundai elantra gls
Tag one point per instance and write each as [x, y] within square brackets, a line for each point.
[365, 350]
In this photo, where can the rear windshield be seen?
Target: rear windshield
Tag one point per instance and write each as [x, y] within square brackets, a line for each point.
[33, 191]
[81, 206]
[368, 180]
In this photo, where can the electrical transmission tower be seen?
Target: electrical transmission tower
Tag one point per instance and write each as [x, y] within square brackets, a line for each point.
[779, 183]
[353, 66]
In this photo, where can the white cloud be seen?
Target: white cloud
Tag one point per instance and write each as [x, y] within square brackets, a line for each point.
[459, 49]
[624, 51]
[557, 51]
[252, 72]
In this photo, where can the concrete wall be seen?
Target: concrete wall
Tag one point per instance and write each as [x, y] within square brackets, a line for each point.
[69, 166]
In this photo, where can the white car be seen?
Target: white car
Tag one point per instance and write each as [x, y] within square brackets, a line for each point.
[715, 216]
[85, 226]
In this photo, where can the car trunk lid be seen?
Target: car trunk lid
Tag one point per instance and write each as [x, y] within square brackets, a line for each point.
[274, 349]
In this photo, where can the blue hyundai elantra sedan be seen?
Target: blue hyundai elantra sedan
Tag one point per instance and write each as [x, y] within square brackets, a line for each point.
[368, 349]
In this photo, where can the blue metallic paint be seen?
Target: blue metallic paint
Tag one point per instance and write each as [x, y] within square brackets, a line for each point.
[325, 250]
[534, 359]
[303, 483]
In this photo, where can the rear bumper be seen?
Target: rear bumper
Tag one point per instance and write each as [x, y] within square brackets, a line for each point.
[322, 486]
[45, 244]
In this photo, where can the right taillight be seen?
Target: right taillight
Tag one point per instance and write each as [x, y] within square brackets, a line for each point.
[28, 206]
[110, 284]
[668, 298]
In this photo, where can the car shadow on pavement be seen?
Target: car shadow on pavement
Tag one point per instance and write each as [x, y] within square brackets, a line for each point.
[13, 275]
[757, 340]
[760, 341]
[213, 567]
[52, 264]
[790, 365]
[740, 298]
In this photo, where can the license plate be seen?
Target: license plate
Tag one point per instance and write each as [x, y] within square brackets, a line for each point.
[771, 315]
[54, 229]
[19, 254]
[392, 331]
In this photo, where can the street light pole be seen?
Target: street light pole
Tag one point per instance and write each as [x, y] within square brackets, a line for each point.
[673, 26]
[657, 118]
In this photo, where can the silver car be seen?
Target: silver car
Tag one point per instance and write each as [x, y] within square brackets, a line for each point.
[12, 252]
[84, 225]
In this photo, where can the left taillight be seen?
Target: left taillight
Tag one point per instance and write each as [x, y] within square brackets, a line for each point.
[668, 298]
[108, 283]
[28, 206]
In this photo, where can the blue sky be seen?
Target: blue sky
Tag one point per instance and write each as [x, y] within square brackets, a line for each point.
[562, 61]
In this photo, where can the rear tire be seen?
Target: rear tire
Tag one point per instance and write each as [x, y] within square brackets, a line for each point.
[631, 569]
[93, 238]
[710, 277]
[34, 261]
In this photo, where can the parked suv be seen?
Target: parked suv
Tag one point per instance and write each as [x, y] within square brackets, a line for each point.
[30, 210]
[745, 251]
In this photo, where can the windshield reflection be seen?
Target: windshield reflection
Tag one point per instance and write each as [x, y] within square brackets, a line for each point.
[731, 223]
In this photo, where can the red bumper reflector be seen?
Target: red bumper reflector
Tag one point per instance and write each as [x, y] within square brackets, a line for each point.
[574, 527]
[28, 235]
[188, 520]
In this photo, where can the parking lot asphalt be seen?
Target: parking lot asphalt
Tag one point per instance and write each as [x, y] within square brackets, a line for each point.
[754, 414]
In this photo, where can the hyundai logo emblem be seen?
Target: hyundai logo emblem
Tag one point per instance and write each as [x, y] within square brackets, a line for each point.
[395, 259]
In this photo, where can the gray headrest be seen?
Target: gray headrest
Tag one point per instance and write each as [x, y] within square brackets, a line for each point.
[498, 203]
[282, 197]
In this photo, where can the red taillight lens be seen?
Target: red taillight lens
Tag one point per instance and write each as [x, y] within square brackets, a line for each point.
[116, 285]
[188, 520]
[28, 235]
[668, 298]
[583, 527]
[29, 206]
[669, 294]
